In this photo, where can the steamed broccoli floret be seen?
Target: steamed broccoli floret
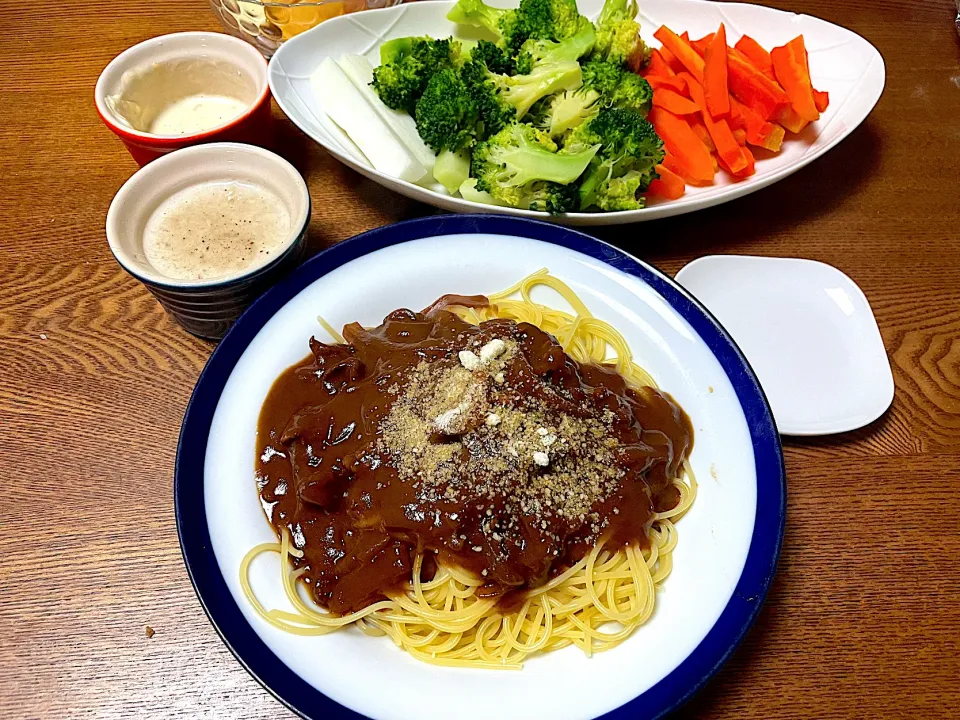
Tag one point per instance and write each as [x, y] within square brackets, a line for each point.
[605, 84]
[553, 197]
[500, 22]
[574, 47]
[426, 49]
[515, 165]
[399, 84]
[406, 66]
[626, 163]
[493, 111]
[618, 32]
[462, 106]
[522, 91]
[624, 193]
[501, 99]
[533, 19]
[566, 110]
[617, 86]
[547, 20]
[447, 115]
[494, 57]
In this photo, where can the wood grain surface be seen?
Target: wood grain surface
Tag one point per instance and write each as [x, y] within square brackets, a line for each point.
[863, 620]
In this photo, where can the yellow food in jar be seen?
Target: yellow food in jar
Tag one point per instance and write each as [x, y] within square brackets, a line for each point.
[296, 19]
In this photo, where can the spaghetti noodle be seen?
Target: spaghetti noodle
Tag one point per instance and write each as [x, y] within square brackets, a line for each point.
[445, 613]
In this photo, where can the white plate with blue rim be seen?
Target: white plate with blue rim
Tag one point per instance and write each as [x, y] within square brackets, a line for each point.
[841, 63]
[729, 541]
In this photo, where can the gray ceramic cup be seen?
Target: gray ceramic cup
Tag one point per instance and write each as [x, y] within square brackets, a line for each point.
[207, 308]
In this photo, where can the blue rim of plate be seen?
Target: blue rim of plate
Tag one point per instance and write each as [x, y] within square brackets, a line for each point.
[669, 693]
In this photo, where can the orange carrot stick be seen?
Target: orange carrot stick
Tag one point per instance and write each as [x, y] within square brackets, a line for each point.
[715, 75]
[748, 169]
[668, 186]
[681, 142]
[674, 102]
[752, 87]
[657, 65]
[821, 100]
[671, 82]
[720, 132]
[759, 132]
[696, 124]
[701, 45]
[679, 169]
[756, 54]
[751, 163]
[791, 120]
[736, 120]
[682, 50]
[740, 135]
[790, 67]
[774, 140]
[671, 60]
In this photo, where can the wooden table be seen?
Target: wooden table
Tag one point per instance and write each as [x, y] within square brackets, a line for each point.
[863, 620]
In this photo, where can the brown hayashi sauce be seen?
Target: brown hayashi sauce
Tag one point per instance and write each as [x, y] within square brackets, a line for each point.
[485, 447]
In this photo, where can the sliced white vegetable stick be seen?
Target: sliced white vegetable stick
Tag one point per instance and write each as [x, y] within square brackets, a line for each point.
[338, 97]
[360, 72]
[343, 140]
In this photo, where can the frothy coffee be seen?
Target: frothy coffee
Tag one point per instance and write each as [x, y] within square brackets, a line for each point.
[216, 230]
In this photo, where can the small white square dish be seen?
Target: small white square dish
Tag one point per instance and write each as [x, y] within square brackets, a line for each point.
[809, 334]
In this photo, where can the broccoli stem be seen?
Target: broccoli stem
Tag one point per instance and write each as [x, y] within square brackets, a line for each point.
[451, 169]
[522, 91]
[396, 49]
[613, 10]
[476, 13]
[591, 182]
[573, 48]
[570, 109]
[530, 162]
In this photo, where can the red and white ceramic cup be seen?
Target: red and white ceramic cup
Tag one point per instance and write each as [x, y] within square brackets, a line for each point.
[184, 89]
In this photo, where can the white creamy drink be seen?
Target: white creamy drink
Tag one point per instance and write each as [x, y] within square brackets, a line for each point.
[196, 113]
[182, 97]
[215, 230]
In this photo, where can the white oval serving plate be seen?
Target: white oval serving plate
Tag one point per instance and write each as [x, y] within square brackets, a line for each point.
[728, 542]
[841, 63]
